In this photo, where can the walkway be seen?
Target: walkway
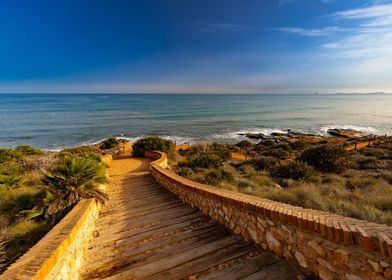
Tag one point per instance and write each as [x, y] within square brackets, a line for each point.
[145, 232]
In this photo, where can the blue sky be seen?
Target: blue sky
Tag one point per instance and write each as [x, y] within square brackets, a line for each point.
[196, 46]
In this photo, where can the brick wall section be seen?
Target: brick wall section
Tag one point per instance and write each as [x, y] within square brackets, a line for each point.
[328, 245]
[58, 255]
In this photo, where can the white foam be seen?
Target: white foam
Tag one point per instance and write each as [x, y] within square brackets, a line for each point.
[365, 129]
[240, 134]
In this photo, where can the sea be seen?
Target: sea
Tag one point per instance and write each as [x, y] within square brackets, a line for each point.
[56, 121]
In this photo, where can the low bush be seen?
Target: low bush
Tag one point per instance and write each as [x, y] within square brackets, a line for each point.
[299, 145]
[295, 170]
[369, 163]
[284, 146]
[12, 180]
[358, 183]
[206, 160]
[384, 204]
[277, 153]
[195, 149]
[29, 151]
[220, 150]
[217, 176]
[378, 153]
[326, 158]
[244, 144]
[90, 152]
[9, 154]
[109, 144]
[152, 143]
[184, 171]
[264, 163]
[268, 143]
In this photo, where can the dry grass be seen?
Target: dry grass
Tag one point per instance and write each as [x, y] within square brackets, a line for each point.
[364, 191]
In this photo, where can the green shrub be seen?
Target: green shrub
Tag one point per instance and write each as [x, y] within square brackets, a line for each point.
[11, 180]
[90, 152]
[9, 154]
[244, 144]
[206, 160]
[284, 146]
[357, 183]
[11, 168]
[370, 163]
[21, 202]
[220, 150]
[184, 171]
[152, 143]
[373, 153]
[264, 163]
[277, 153]
[268, 143]
[217, 176]
[109, 144]
[299, 145]
[384, 204]
[326, 158]
[295, 170]
[29, 151]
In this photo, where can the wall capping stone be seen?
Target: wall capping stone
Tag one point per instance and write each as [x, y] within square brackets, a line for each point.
[332, 237]
[59, 254]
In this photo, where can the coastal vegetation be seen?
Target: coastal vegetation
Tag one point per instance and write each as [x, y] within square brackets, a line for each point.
[38, 188]
[312, 173]
[152, 143]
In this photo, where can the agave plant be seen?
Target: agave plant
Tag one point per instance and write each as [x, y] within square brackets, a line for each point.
[75, 178]
[11, 180]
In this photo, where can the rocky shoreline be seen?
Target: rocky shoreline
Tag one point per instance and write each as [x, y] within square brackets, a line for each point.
[335, 136]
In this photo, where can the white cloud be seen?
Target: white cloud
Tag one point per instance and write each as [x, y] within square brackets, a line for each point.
[376, 12]
[371, 39]
[326, 31]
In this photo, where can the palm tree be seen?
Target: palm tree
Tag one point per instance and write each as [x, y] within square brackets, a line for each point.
[75, 178]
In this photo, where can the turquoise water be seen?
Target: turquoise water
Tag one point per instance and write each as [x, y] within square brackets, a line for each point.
[54, 121]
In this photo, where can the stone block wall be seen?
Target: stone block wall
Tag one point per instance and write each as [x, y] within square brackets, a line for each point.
[321, 243]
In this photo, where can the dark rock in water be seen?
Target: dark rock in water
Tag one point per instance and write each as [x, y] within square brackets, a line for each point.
[345, 133]
[256, 136]
[278, 134]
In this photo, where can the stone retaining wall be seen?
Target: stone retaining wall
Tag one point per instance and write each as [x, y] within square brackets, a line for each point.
[325, 244]
[58, 255]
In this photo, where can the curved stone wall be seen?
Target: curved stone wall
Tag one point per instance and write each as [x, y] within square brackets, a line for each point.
[58, 255]
[160, 158]
[328, 245]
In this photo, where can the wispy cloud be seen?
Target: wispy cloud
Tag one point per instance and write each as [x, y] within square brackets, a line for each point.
[318, 32]
[372, 38]
[376, 14]
[220, 27]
